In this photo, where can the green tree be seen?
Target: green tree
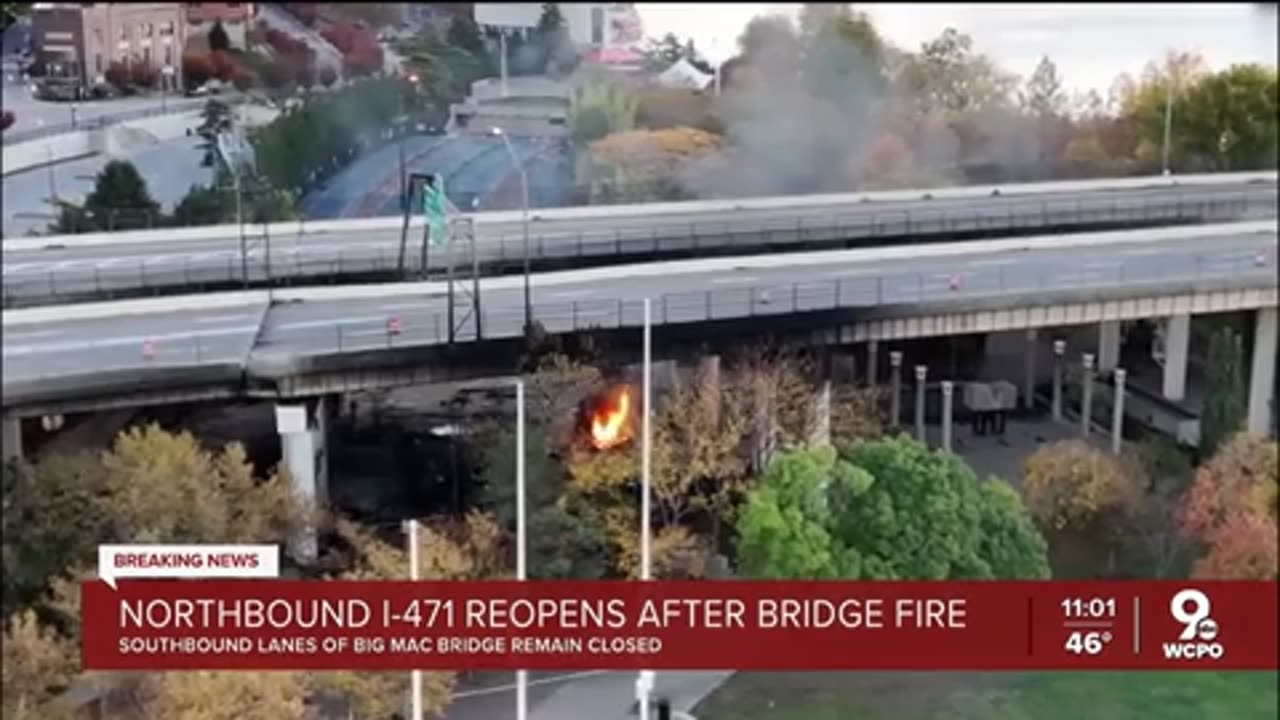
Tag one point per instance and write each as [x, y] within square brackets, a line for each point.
[1043, 95]
[11, 11]
[888, 509]
[464, 34]
[1224, 408]
[219, 41]
[119, 200]
[1227, 121]
[566, 538]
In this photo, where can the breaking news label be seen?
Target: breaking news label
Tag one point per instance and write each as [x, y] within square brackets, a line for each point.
[239, 615]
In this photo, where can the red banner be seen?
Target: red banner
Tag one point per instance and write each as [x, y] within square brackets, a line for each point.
[277, 624]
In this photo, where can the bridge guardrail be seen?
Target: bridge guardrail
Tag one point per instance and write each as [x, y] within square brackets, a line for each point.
[426, 328]
[285, 259]
[97, 122]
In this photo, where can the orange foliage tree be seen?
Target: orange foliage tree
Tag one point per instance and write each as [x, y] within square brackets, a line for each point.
[1231, 511]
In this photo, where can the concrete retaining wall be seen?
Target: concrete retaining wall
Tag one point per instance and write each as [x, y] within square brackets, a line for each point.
[113, 140]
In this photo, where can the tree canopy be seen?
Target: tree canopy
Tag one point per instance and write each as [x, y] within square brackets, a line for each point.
[887, 509]
[1231, 509]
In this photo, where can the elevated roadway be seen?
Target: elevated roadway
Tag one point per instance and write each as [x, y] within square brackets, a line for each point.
[95, 266]
[245, 343]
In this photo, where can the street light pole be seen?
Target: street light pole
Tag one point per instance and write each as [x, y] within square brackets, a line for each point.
[644, 683]
[522, 676]
[415, 676]
[524, 223]
[1168, 122]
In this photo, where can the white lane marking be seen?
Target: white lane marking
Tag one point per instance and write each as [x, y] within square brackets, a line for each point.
[997, 262]
[10, 337]
[122, 260]
[329, 322]
[735, 279]
[68, 264]
[44, 348]
[225, 318]
[572, 293]
[413, 305]
[19, 268]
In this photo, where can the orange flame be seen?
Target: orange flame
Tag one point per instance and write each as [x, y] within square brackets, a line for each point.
[611, 420]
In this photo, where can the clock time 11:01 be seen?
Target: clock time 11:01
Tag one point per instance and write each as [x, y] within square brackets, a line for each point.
[1090, 608]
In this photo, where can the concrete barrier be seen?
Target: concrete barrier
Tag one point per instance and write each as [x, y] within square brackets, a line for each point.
[113, 141]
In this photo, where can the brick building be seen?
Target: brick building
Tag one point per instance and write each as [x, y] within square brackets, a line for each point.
[77, 42]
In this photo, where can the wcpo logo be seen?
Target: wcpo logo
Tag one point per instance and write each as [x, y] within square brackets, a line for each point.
[1191, 608]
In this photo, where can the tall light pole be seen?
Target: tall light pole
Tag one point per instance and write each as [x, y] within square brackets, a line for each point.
[524, 221]
[644, 683]
[522, 676]
[415, 676]
[413, 85]
[1168, 122]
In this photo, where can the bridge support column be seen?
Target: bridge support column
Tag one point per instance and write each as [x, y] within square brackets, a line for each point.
[12, 438]
[820, 421]
[709, 379]
[895, 399]
[1059, 350]
[873, 349]
[948, 392]
[922, 375]
[1177, 340]
[1029, 376]
[1117, 412]
[1108, 345]
[1262, 376]
[302, 429]
[1086, 395]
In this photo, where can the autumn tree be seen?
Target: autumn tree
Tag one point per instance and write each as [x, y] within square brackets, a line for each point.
[1224, 408]
[38, 666]
[1154, 528]
[448, 549]
[1071, 486]
[222, 695]
[888, 509]
[1230, 510]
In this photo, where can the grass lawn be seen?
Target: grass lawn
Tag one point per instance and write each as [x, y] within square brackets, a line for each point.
[994, 696]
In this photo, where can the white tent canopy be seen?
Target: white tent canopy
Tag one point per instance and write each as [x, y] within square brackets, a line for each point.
[684, 75]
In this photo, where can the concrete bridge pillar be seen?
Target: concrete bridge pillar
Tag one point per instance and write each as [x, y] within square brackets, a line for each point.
[820, 422]
[873, 349]
[1086, 395]
[1029, 376]
[303, 434]
[1117, 412]
[922, 375]
[1108, 345]
[709, 378]
[12, 440]
[1059, 350]
[895, 400]
[1262, 375]
[948, 393]
[1177, 340]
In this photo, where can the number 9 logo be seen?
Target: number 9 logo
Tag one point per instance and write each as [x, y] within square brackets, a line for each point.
[1196, 622]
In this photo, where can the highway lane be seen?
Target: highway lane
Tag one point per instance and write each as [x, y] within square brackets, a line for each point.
[32, 274]
[687, 291]
[177, 338]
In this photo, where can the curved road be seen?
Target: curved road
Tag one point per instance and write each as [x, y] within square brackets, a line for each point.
[237, 331]
[51, 269]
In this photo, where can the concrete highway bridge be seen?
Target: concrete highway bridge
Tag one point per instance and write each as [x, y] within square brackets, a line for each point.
[300, 347]
[183, 260]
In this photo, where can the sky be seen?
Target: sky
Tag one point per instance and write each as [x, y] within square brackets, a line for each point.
[1091, 43]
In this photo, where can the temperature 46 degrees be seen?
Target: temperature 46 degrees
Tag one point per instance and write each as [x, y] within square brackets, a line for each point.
[1087, 642]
